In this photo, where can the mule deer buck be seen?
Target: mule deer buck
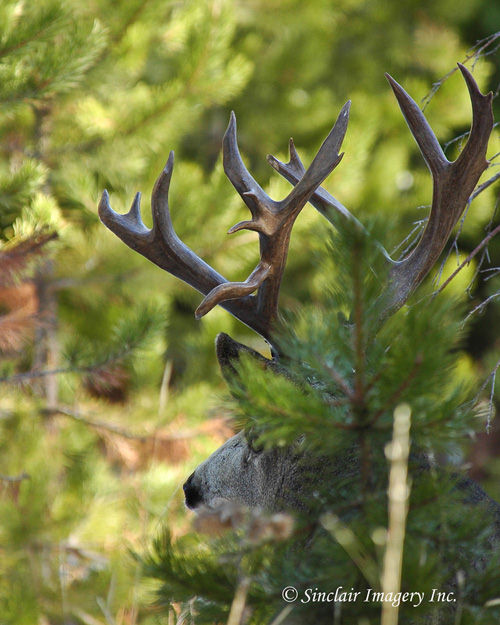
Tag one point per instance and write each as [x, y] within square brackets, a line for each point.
[272, 478]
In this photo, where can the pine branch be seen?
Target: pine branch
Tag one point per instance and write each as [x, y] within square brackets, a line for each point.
[33, 24]
[15, 328]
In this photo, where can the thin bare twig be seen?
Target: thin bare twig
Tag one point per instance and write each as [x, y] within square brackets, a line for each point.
[110, 427]
[492, 376]
[492, 393]
[475, 53]
[493, 272]
[480, 307]
[463, 136]
[414, 235]
[479, 247]
[484, 186]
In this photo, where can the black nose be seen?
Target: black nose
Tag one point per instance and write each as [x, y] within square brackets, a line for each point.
[192, 494]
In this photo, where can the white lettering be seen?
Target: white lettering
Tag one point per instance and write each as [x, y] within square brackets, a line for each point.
[442, 597]
[394, 598]
[307, 593]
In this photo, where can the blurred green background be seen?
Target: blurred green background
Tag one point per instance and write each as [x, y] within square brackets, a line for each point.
[94, 95]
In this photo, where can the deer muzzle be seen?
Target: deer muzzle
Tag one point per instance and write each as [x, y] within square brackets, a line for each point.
[192, 493]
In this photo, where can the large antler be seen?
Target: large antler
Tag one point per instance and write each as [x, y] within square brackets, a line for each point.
[272, 220]
[453, 184]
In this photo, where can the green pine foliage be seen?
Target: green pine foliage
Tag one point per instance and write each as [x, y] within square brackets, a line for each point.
[48, 51]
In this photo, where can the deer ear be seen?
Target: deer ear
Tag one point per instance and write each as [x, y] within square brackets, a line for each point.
[228, 354]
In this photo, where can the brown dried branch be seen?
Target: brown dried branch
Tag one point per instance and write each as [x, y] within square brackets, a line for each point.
[15, 256]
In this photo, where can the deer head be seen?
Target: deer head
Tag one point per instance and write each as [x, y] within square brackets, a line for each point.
[237, 471]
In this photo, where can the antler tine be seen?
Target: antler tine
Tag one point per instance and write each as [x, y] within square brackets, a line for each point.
[453, 184]
[251, 192]
[420, 129]
[324, 162]
[474, 152]
[233, 290]
[305, 182]
[162, 246]
[322, 201]
[129, 227]
[291, 171]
